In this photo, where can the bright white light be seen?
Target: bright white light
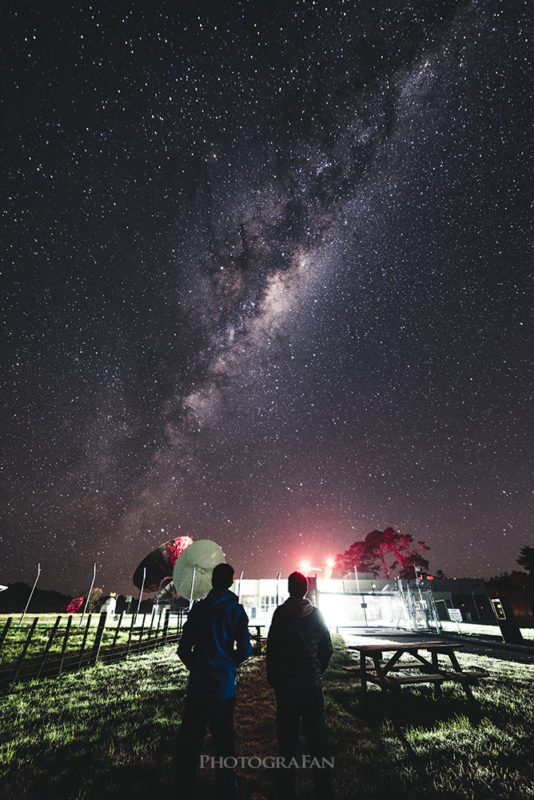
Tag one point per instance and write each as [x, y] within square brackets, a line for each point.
[337, 609]
[305, 567]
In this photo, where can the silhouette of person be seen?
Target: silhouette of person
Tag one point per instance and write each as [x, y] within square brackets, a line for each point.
[298, 651]
[215, 640]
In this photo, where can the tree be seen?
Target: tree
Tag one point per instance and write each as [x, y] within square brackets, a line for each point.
[14, 599]
[370, 554]
[526, 559]
[75, 604]
[95, 599]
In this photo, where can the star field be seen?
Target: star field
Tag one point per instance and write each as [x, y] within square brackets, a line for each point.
[267, 279]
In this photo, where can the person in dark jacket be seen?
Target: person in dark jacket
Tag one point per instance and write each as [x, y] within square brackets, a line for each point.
[215, 640]
[298, 651]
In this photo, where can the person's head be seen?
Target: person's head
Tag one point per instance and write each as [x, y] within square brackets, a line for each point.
[297, 584]
[222, 576]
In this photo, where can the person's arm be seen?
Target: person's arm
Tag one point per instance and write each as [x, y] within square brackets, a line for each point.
[242, 638]
[325, 645]
[187, 641]
[274, 650]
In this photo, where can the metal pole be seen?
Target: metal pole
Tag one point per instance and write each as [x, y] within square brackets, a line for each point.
[364, 604]
[239, 589]
[418, 582]
[277, 589]
[192, 587]
[31, 594]
[89, 595]
[141, 592]
[434, 611]
[475, 604]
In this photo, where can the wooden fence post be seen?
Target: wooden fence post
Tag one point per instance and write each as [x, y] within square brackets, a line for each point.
[117, 629]
[84, 640]
[166, 625]
[25, 648]
[141, 634]
[130, 635]
[6, 628]
[48, 646]
[64, 646]
[150, 630]
[157, 633]
[98, 638]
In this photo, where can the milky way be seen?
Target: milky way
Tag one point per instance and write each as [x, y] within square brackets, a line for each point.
[267, 282]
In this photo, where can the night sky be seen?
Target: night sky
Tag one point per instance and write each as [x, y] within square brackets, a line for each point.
[266, 280]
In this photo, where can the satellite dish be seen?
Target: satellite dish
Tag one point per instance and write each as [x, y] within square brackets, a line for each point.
[192, 571]
[159, 564]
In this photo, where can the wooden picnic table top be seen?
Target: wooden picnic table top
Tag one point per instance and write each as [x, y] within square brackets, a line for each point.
[428, 671]
[378, 647]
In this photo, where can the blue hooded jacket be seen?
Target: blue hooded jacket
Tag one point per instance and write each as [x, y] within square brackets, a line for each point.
[213, 627]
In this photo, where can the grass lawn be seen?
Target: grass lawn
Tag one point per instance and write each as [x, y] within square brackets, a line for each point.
[109, 732]
[482, 629]
[71, 645]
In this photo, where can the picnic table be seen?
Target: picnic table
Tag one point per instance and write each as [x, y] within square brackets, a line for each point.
[257, 637]
[421, 668]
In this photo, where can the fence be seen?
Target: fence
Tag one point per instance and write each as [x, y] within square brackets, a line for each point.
[47, 647]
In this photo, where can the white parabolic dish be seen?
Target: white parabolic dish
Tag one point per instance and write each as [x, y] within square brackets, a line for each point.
[200, 558]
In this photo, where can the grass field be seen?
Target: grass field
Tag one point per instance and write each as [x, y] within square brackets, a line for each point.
[109, 732]
[130, 633]
[481, 629]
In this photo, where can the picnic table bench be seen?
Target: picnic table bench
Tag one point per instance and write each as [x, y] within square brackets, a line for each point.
[428, 671]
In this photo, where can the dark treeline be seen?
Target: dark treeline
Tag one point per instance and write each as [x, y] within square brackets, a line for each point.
[15, 597]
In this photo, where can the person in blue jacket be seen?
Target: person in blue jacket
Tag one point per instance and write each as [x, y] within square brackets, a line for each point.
[215, 640]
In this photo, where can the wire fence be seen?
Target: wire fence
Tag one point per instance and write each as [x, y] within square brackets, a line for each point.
[48, 646]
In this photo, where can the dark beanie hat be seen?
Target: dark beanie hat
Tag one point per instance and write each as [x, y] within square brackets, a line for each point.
[297, 584]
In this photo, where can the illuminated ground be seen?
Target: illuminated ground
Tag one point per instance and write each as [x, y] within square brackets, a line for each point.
[109, 732]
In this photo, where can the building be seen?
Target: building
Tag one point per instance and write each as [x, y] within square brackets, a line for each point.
[365, 602]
